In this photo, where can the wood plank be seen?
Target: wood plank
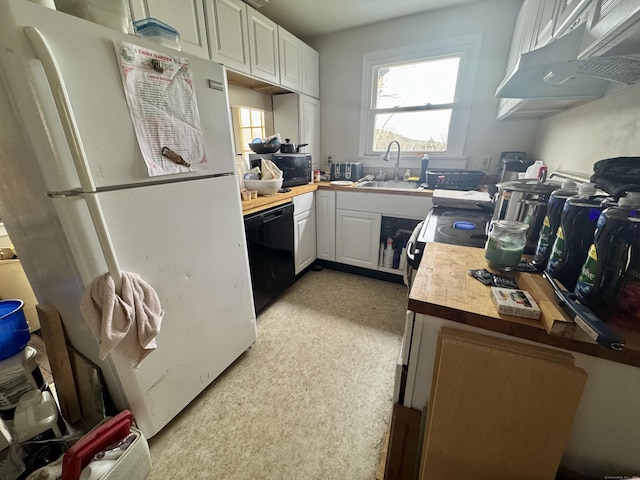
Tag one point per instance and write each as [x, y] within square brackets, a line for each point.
[89, 387]
[404, 438]
[444, 266]
[56, 345]
[443, 288]
[497, 414]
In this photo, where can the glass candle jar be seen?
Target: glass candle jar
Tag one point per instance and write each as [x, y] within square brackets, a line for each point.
[505, 244]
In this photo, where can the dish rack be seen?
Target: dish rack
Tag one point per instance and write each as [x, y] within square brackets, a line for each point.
[454, 179]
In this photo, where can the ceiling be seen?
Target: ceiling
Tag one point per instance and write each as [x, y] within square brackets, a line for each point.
[313, 18]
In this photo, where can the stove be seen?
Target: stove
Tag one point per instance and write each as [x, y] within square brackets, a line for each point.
[457, 226]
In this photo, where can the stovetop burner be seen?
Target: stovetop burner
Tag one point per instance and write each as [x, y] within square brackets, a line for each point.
[456, 226]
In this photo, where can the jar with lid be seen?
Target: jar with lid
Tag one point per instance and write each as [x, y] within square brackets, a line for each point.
[505, 244]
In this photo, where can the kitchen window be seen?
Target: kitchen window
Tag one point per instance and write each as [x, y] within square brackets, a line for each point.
[249, 124]
[419, 95]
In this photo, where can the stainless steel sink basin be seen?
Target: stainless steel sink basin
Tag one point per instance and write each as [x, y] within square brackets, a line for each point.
[392, 185]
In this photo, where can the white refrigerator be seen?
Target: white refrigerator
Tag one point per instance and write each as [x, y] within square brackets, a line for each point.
[182, 233]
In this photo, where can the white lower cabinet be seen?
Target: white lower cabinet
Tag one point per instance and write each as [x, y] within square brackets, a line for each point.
[326, 224]
[365, 221]
[304, 231]
[357, 238]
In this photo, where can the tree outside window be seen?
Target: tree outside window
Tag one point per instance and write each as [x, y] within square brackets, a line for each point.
[420, 96]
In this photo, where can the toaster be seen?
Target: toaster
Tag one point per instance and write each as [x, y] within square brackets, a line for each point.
[346, 171]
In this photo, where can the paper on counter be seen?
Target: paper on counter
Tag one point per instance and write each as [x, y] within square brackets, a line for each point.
[460, 199]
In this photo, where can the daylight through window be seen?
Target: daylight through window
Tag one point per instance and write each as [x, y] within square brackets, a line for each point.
[250, 125]
[419, 96]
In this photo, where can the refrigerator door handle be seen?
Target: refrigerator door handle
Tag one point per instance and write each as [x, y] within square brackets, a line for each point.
[68, 121]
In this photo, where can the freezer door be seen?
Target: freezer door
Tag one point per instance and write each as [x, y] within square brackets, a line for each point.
[86, 57]
[185, 239]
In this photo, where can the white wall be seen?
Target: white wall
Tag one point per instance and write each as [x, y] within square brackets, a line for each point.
[341, 76]
[605, 128]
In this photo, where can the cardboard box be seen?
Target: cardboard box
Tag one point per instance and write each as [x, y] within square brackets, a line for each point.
[515, 302]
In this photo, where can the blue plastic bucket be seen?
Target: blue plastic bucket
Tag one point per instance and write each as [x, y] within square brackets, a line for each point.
[14, 329]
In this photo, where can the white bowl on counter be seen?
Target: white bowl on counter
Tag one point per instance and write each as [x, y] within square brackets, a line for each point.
[264, 187]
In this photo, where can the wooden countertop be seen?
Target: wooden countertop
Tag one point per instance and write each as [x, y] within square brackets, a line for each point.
[443, 288]
[264, 202]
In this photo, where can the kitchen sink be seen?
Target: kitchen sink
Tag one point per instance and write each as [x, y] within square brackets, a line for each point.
[392, 185]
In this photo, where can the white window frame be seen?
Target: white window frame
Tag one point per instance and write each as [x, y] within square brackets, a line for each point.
[467, 46]
[238, 127]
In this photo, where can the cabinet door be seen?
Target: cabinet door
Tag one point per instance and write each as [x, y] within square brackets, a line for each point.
[310, 71]
[310, 127]
[228, 33]
[326, 224]
[545, 23]
[358, 238]
[186, 16]
[610, 24]
[568, 16]
[290, 60]
[263, 47]
[304, 240]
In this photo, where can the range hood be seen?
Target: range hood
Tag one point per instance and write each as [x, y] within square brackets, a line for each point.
[555, 72]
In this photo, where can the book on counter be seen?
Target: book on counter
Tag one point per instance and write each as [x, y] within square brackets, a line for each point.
[515, 302]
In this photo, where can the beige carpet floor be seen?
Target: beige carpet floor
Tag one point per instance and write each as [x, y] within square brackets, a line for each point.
[311, 399]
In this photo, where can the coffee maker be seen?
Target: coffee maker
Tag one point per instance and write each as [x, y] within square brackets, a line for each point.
[512, 163]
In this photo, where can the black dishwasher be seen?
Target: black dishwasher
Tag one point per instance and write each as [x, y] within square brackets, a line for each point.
[270, 245]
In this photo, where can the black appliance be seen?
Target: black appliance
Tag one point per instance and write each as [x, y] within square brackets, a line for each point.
[512, 163]
[346, 171]
[457, 226]
[296, 167]
[269, 236]
[454, 179]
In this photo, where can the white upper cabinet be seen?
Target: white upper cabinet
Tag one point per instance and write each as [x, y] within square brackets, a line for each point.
[186, 16]
[545, 22]
[613, 28]
[310, 71]
[571, 13]
[229, 34]
[297, 117]
[290, 60]
[263, 47]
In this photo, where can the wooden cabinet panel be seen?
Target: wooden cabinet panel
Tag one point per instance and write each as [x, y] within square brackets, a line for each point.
[498, 409]
[404, 440]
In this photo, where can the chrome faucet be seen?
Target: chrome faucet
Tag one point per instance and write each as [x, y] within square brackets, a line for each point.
[396, 171]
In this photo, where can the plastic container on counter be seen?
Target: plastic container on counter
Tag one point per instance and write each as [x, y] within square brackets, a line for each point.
[609, 282]
[574, 235]
[551, 223]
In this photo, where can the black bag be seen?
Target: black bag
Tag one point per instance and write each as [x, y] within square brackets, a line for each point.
[617, 175]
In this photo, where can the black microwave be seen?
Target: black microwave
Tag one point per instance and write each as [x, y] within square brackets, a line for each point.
[296, 167]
